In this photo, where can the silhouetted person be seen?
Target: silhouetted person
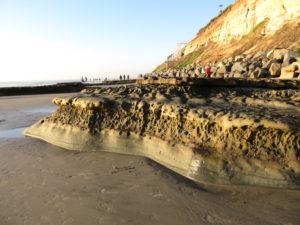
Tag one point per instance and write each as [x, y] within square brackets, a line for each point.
[120, 77]
[127, 77]
[123, 77]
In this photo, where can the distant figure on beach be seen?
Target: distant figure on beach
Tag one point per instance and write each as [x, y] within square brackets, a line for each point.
[85, 79]
[207, 71]
[120, 77]
[123, 77]
[82, 80]
[127, 77]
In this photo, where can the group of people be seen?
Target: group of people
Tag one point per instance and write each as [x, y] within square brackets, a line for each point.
[124, 77]
[85, 79]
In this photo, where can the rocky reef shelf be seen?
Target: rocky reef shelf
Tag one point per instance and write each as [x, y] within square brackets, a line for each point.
[219, 135]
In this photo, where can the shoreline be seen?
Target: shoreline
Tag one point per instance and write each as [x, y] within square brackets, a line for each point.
[107, 188]
[67, 87]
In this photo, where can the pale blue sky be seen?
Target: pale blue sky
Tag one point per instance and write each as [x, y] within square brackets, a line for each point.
[65, 39]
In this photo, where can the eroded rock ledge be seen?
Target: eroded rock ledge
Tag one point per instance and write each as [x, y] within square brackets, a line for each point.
[236, 135]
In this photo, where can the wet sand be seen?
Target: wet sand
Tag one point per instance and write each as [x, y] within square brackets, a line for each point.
[44, 184]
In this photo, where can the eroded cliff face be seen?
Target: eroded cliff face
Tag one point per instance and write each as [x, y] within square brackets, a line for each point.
[243, 17]
[247, 26]
[237, 135]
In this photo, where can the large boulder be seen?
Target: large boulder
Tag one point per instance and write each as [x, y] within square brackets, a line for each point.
[198, 72]
[239, 58]
[280, 54]
[259, 73]
[275, 69]
[270, 54]
[289, 58]
[239, 67]
[213, 69]
[291, 71]
[259, 55]
[223, 68]
[254, 65]
[239, 74]
[267, 63]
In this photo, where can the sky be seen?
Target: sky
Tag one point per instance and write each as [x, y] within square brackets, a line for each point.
[67, 39]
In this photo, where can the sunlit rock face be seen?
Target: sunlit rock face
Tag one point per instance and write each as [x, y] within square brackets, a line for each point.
[221, 135]
[246, 16]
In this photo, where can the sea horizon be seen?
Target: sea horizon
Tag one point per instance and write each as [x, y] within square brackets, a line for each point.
[34, 83]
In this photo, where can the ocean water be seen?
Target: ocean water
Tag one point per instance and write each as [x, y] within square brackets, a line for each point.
[34, 83]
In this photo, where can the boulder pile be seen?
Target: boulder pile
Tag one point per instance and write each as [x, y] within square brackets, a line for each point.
[277, 63]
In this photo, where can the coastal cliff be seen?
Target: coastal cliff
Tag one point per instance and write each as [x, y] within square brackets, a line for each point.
[245, 27]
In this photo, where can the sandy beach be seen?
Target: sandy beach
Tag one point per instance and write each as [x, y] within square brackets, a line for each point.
[43, 184]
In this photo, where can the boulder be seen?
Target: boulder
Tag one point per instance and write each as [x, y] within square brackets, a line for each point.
[259, 55]
[275, 69]
[254, 65]
[279, 54]
[213, 69]
[291, 71]
[259, 73]
[270, 54]
[289, 58]
[239, 75]
[184, 74]
[239, 67]
[223, 68]
[198, 72]
[267, 63]
[239, 58]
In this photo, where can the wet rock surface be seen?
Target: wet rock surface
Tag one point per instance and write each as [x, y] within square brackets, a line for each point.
[256, 125]
[47, 89]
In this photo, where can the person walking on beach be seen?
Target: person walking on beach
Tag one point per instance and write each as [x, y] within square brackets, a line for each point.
[123, 77]
[208, 71]
[120, 77]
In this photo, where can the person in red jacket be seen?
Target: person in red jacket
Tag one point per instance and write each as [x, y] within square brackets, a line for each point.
[208, 71]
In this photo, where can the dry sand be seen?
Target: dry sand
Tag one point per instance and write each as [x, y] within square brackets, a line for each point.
[44, 184]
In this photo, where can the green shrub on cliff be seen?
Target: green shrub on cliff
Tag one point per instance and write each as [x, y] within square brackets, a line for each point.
[191, 59]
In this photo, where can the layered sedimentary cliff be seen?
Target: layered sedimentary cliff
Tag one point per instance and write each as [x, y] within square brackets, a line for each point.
[237, 135]
[247, 26]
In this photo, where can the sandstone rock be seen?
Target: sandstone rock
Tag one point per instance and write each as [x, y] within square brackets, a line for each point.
[213, 69]
[259, 73]
[289, 58]
[178, 125]
[268, 63]
[239, 67]
[198, 72]
[270, 54]
[290, 71]
[259, 55]
[223, 69]
[254, 65]
[275, 69]
[279, 54]
[238, 74]
[239, 58]
[184, 74]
